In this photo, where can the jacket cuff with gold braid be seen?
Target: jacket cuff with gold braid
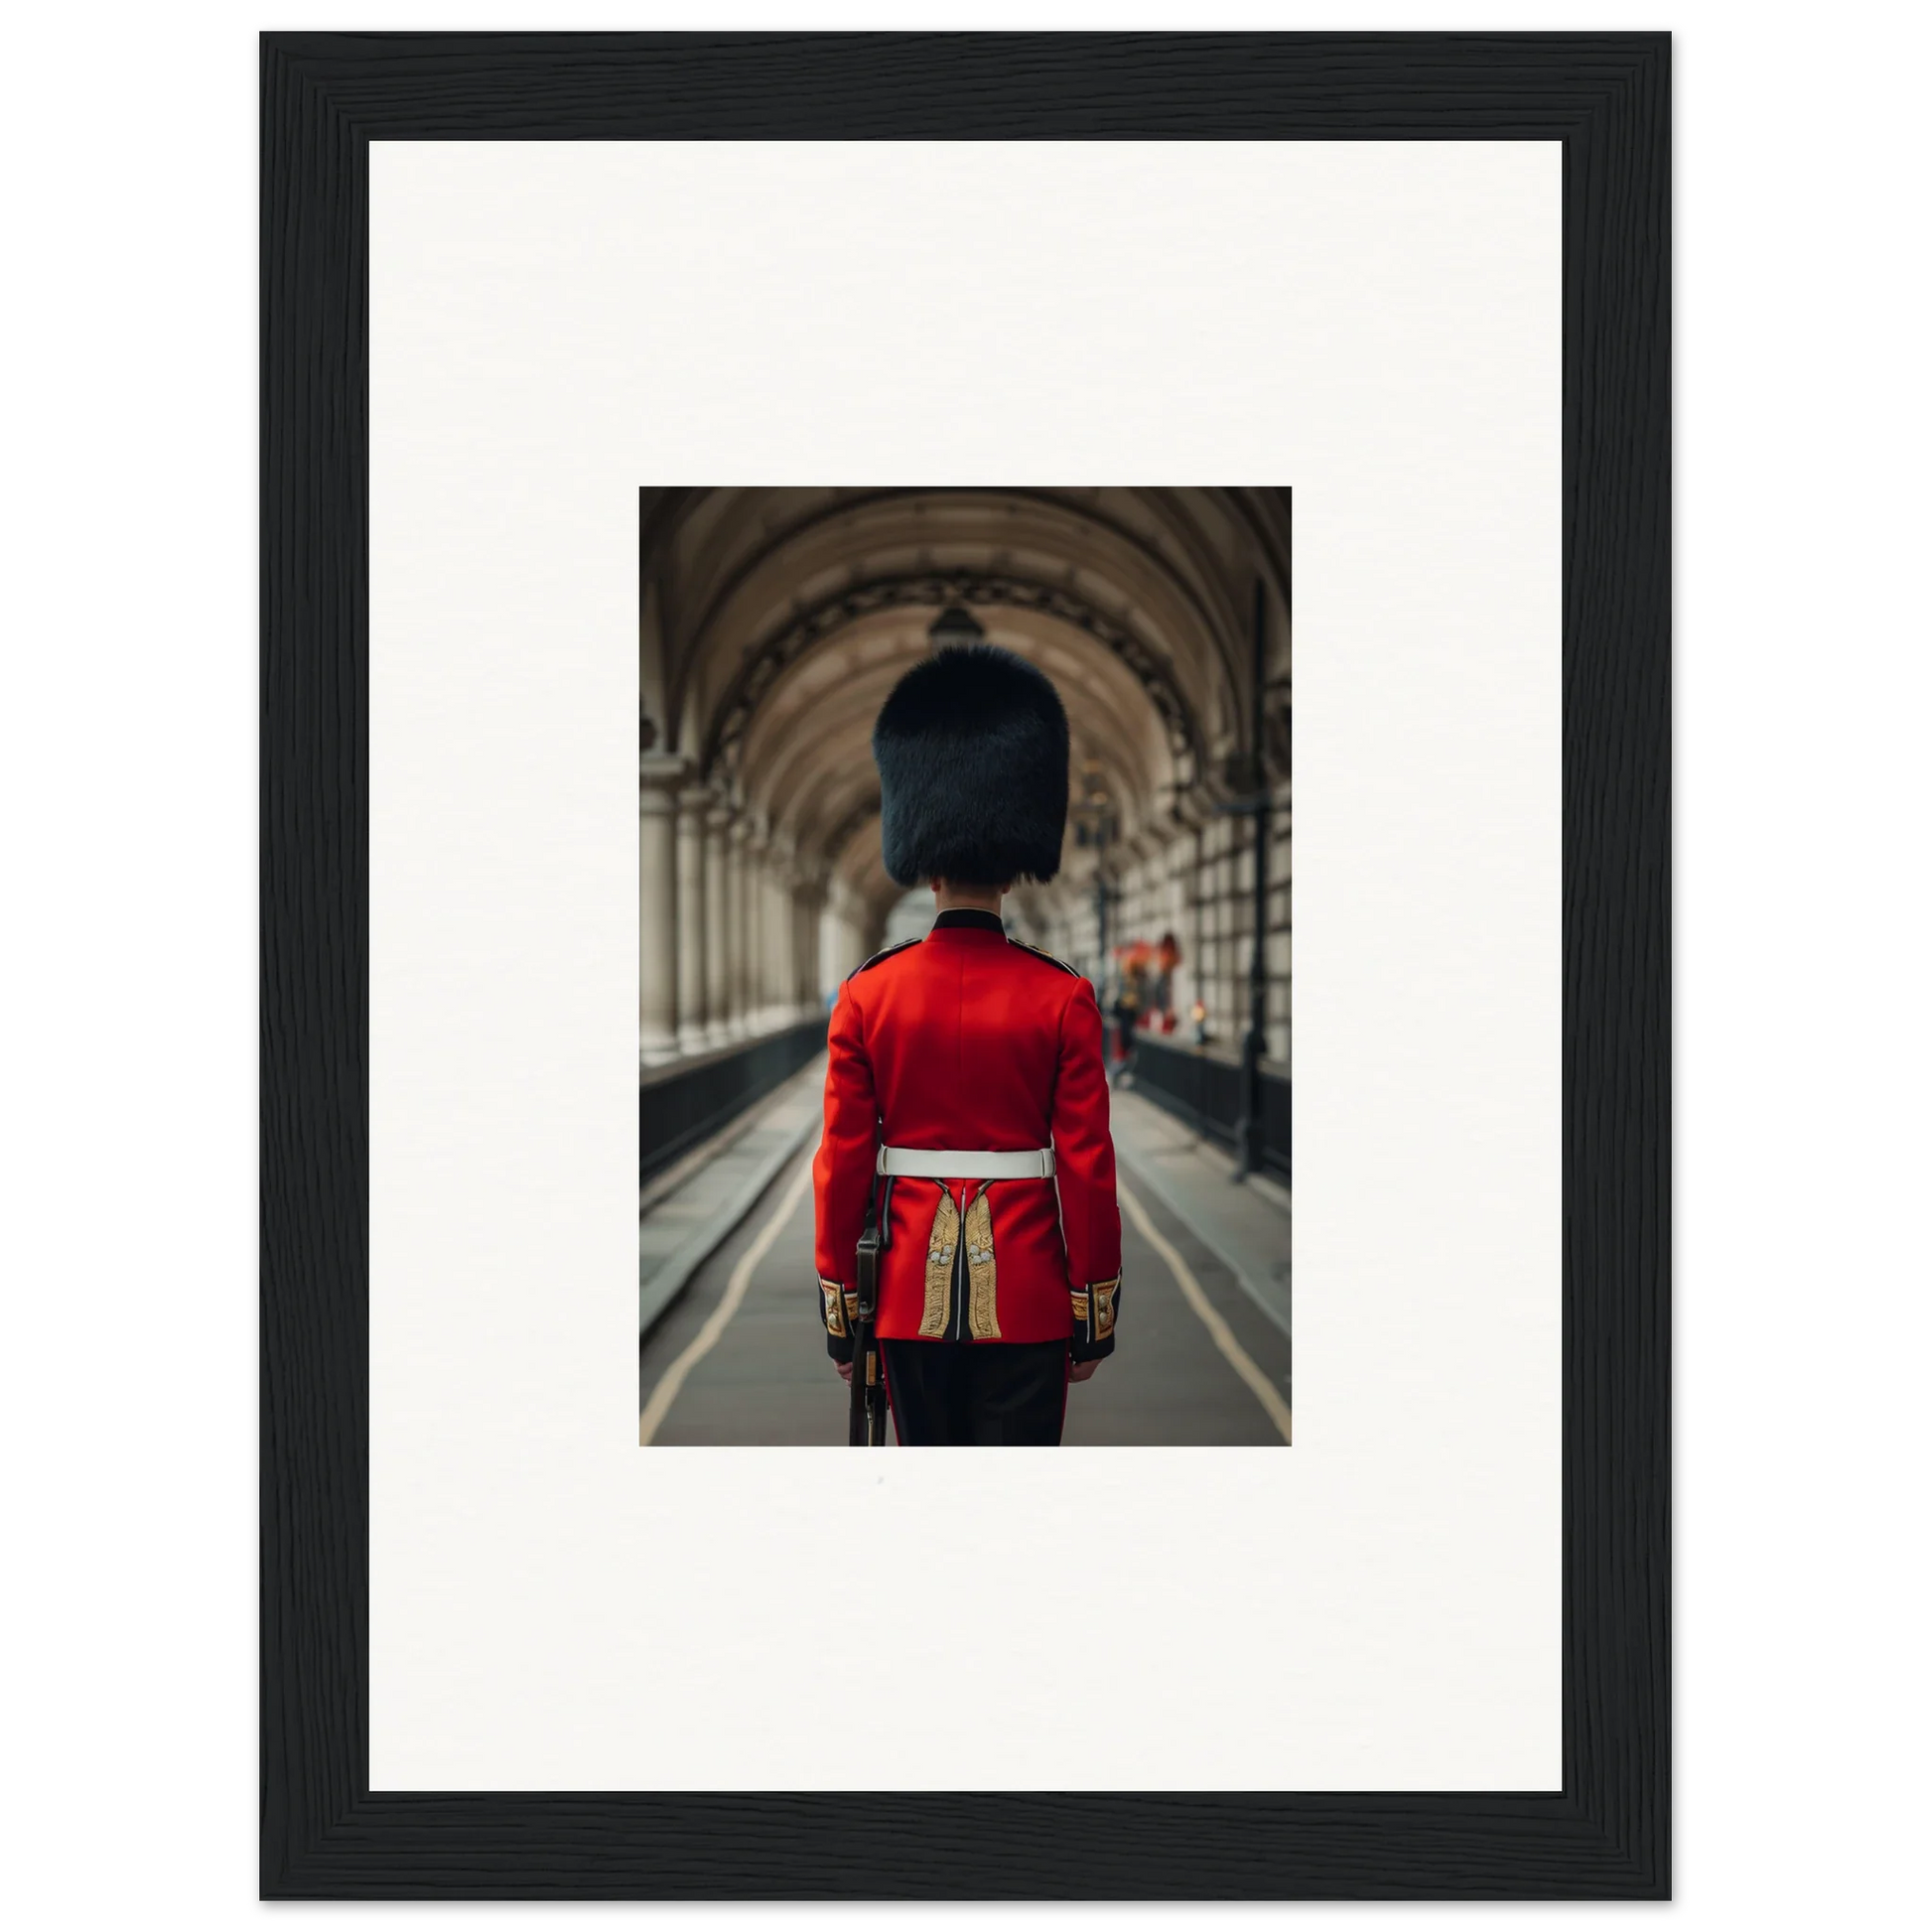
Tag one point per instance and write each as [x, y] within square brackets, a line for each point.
[1095, 1308]
[837, 1305]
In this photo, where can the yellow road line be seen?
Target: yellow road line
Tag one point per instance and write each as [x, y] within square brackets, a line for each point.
[1238, 1357]
[706, 1339]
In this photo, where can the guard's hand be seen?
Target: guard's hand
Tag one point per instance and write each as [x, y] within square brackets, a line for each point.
[845, 1370]
[1083, 1371]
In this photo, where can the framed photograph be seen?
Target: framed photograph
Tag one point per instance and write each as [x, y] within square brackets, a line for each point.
[1014, 1024]
[954, 821]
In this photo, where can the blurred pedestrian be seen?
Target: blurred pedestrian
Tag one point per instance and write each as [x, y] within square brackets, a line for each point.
[1130, 998]
[1167, 956]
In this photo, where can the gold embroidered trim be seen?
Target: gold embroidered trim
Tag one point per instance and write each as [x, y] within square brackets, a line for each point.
[983, 1309]
[1080, 1304]
[939, 1247]
[1044, 954]
[834, 1307]
[1103, 1308]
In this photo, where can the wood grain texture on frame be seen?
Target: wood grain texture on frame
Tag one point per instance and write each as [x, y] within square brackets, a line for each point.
[325, 97]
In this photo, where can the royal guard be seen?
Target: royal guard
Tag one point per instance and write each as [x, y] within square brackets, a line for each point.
[965, 1095]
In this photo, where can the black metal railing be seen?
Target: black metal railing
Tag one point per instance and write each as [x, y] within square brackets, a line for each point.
[1203, 1087]
[686, 1101]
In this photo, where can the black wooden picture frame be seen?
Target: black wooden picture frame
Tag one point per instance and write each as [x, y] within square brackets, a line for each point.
[323, 1833]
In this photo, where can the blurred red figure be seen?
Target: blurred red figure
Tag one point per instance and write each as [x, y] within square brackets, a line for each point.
[1167, 956]
[1133, 964]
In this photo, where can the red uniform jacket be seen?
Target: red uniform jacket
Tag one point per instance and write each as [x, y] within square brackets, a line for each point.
[968, 1039]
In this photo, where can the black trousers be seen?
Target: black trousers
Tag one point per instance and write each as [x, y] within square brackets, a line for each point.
[1011, 1393]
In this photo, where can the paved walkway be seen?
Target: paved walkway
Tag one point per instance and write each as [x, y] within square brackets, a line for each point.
[741, 1358]
[1249, 1224]
[686, 1211]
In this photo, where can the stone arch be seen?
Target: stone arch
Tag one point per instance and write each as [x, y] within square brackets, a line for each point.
[1164, 574]
[767, 661]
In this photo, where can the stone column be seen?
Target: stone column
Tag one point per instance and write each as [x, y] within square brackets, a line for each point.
[657, 778]
[717, 924]
[1194, 938]
[1237, 924]
[808, 896]
[840, 941]
[780, 976]
[795, 953]
[758, 926]
[1281, 923]
[845, 924]
[830, 970]
[738, 943]
[753, 962]
[768, 891]
[693, 926]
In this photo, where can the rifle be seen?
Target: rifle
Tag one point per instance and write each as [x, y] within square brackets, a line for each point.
[866, 1424]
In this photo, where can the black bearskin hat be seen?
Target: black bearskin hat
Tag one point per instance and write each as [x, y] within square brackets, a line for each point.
[972, 755]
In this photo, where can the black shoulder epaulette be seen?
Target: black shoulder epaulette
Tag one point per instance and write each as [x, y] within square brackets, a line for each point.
[1053, 959]
[885, 952]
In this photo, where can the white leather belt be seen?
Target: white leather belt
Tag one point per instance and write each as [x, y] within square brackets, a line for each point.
[952, 1162]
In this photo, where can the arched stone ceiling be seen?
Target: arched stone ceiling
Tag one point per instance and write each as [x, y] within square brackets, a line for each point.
[783, 618]
[1160, 565]
[1206, 540]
